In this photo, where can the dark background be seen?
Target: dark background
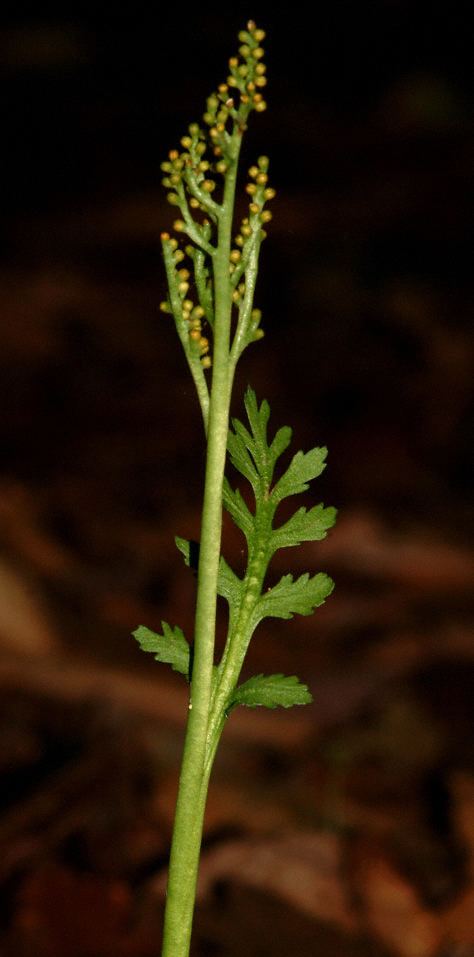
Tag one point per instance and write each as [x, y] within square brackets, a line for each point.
[366, 291]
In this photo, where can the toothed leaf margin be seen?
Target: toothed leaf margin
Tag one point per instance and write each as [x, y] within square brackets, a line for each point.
[170, 648]
[271, 691]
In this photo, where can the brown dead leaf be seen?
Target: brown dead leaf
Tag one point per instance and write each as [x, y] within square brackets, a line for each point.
[228, 805]
[25, 627]
[394, 913]
[303, 869]
[420, 561]
[463, 790]
[459, 919]
[61, 912]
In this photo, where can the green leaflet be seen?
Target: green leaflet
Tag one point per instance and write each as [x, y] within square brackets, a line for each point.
[229, 585]
[189, 551]
[271, 691]
[171, 647]
[255, 458]
[250, 453]
[304, 526]
[290, 597]
[237, 508]
[303, 467]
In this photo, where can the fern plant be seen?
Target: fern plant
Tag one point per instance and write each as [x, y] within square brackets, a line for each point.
[211, 268]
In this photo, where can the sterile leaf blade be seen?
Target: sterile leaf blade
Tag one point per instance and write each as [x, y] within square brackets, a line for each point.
[303, 468]
[289, 597]
[170, 647]
[305, 525]
[272, 691]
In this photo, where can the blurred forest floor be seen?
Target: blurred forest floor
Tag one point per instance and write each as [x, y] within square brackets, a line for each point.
[343, 828]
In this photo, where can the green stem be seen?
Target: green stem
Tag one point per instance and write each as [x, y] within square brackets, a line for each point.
[187, 834]
[238, 641]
